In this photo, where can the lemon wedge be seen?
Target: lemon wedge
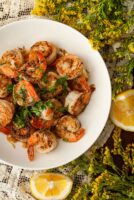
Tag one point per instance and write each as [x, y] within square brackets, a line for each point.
[122, 111]
[50, 186]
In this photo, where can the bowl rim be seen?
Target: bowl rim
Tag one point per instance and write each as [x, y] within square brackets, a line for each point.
[108, 83]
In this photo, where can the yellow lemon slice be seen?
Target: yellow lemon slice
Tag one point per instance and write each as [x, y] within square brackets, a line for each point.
[50, 186]
[122, 111]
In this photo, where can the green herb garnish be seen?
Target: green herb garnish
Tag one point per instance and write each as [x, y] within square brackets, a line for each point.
[49, 104]
[45, 78]
[65, 140]
[10, 88]
[52, 89]
[39, 90]
[43, 91]
[40, 106]
[19, 121]
[23, 93]
[20, 118]
[62, 81]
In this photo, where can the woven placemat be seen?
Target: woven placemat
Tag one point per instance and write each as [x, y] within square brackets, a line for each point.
[14, 182]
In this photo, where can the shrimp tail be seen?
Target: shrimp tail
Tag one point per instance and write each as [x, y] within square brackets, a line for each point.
[92, 88]
[30, 152]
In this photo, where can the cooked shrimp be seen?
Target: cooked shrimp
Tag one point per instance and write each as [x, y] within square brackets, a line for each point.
[25, 54]
[22, 134]
[52, 89]
[57, 108]
[39, 123]
[4, 82]
[11, 63]
[49, 50]
[61, 52]
[81, 83]
[14, 57]
[77, 101]
[36, 66]
[25, 94]
[8, 70]
[6, 112]
[43, 141]
[47, 114]
[70, 66]
[5, 130]
[61, 81]
[69, 128]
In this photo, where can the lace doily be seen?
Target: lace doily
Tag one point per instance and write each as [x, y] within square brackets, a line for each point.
[14, 182]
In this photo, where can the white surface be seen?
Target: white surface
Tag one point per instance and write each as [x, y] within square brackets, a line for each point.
[25, 33]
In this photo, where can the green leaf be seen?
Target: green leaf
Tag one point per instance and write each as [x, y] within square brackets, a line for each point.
[40, 106]
[62, 81]
[52, 89]
[19, 121]
[10, 88]
[21, 116]
[130, 66]
[23, 92]
[45, 78]
[49, 104]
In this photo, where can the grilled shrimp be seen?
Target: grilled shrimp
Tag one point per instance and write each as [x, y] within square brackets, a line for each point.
[81, 83]
[6, 112]
[52, 89]
[4, 82]
[57, 108]
[39, 123]
[70, 66]
[49, 50]
[69, 129]
[11, 63]
[36, 66]
[22, 134]
[43, 141]
[47, 114]
[25, 94]
[76, 101]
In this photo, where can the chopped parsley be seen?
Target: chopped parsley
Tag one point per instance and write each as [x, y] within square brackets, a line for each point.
[49, 104]
[52, 89]
[10, 88]
[43, 91]
[19, 121]
[20, 118]
[23, 93]
[45, 78]
[62, 81]
[40, 106]
[65, 140]
[39, 90]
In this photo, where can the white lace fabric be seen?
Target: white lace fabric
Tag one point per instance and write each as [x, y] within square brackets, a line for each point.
[14, 182]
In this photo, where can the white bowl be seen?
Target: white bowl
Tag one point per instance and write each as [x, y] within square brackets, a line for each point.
[93, 119]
